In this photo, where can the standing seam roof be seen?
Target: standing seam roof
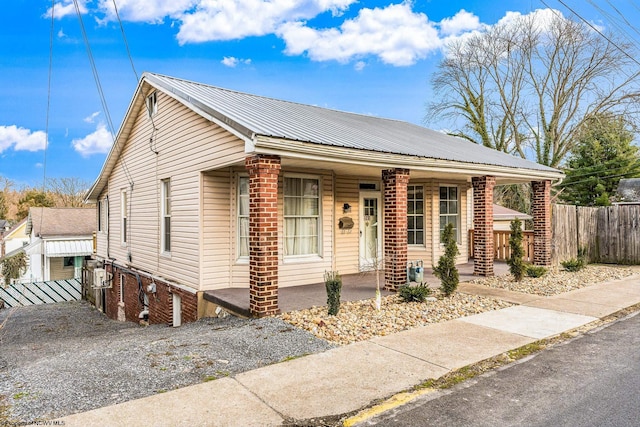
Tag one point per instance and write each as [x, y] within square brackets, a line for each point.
[291, 121]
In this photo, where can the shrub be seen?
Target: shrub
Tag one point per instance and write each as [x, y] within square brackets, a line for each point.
[516, 262]
[333, 283]
[573, 264]
[416, 293]
[536, 271]
[446, 269]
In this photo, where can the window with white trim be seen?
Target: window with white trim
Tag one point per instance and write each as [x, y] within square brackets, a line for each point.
[165, 225]
[100, 219]
[243, 216]
[124, 207]
[152, 104]
[449, 210]
[121, 288]
[301, 216]
[415, 215]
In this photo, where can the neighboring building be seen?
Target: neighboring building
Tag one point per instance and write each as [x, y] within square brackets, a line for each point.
[13, 241]
[502, 217]
[207, 188]
[628, 191]
[59, 240]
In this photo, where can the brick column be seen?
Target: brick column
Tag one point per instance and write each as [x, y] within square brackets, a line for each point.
[483, 252]
[263, 234]
[395, 227]
[541, 222]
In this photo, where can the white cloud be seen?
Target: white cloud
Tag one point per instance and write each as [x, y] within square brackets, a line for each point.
[232, 62]
[462, 21]
[66, 8]
[234, 19]
[151, 11]
[395, 34]
[359, 66]
[21, 139]
[98, 142]
[92, 117]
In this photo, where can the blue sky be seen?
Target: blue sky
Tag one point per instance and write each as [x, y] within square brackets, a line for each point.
[370, 57]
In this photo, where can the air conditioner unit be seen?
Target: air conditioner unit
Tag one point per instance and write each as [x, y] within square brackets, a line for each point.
[101, 279]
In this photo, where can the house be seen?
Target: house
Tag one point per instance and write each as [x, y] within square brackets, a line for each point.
[502, 217]
[59, 240]
[628, 191]
[12, 242]
[208, 188]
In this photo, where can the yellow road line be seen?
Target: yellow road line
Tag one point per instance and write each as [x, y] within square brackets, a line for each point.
[391, 403]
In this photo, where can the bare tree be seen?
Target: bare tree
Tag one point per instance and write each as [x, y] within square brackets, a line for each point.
[526, 86]
[67, 192]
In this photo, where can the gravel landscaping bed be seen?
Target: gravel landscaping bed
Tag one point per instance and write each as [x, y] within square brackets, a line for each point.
[359, 320]
[557, 281]
[59, 359]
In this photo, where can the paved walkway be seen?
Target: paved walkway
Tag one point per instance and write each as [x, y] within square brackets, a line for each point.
[348, 378]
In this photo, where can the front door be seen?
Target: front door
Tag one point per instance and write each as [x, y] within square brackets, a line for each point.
[370, 229]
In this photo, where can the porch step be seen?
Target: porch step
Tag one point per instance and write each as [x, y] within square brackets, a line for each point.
[231, 300]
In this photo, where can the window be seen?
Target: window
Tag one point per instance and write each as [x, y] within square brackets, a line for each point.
[152, 104]
[449, 209]
[124, 206]
[243, 216]
[301, 216]
[166, 216]
[415, 214]
[100, 215]
[103, 214]
[69, 261]
[121, 288]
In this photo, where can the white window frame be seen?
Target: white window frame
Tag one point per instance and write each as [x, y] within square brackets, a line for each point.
[414, 231]
[457, 215]
[152, 104]
[124, 218]
[122, 281]
[165, 216]
[240, 217]
[318, 217]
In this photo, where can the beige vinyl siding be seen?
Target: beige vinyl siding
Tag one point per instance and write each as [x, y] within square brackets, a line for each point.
[347, 241]
[218, 243]
[186, 144]
[57, 270]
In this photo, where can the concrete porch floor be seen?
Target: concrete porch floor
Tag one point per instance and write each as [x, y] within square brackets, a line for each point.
[355, 287]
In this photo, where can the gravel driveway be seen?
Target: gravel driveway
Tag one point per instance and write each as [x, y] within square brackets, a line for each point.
[59, 359]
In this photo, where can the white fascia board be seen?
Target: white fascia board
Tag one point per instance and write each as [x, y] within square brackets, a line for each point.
[301, 150]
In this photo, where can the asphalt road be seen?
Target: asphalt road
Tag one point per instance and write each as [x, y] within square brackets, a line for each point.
[593, 380]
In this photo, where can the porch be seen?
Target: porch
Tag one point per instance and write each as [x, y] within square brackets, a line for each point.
[355, 287]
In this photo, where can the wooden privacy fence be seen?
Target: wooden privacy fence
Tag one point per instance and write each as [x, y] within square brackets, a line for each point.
[502, 251]
[41, 292]
[607, 234]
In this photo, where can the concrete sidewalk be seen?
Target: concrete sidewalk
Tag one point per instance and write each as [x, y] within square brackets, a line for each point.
[351, 377]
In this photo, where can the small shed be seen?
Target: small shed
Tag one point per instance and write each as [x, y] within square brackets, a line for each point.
[502, 217]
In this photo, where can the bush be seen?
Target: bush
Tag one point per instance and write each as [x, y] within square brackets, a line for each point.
[516, 260]
[536, 271]
[573, 264]
[333, 283]
[446, 269]
[418, 293]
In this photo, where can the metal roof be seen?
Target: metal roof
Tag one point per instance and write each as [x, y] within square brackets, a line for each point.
[62, 248]
[253, 115]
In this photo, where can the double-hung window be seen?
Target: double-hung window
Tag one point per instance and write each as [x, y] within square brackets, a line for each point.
[449, 210]
[301, 216]
[165, 225]
[124, 208]
[415, 215]
[243, 216]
